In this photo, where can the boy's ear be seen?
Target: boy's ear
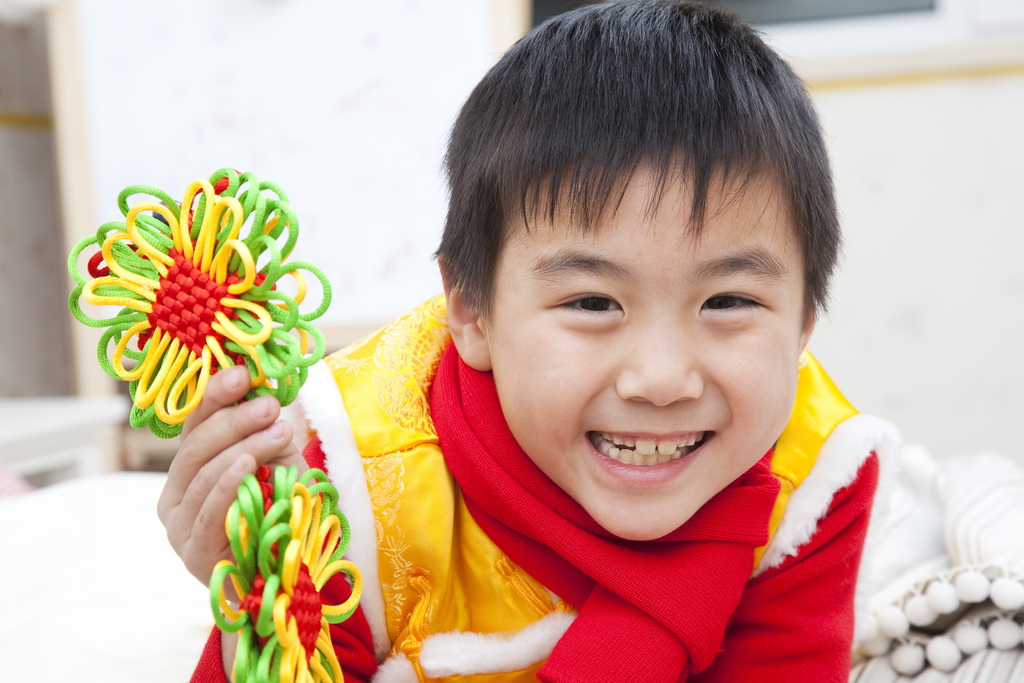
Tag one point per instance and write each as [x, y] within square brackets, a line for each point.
[469, 332]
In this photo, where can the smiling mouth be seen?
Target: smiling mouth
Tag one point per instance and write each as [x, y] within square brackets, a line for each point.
[633, 451]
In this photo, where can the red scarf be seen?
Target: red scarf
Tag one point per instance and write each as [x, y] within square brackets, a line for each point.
[648, 611]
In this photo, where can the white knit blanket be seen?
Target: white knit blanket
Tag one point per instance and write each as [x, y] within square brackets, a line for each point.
[944, 572]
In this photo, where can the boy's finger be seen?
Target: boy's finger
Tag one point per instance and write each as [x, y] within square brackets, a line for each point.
[223, 429]
[192, 478]
[207, 539]
[215, 436]
[225, 388]
[261, 447]
[215, 426]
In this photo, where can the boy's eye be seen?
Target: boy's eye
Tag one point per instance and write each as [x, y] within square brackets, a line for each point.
[724, 301]
[596, 304]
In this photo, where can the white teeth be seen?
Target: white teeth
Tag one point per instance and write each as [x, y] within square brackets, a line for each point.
[647, 451]
[614, 438]
[645, 446]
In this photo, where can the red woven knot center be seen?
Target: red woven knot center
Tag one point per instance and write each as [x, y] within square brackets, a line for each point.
[187, 301]
[305, 608]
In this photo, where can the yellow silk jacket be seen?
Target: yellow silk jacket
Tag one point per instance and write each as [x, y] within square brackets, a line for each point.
[455, 607]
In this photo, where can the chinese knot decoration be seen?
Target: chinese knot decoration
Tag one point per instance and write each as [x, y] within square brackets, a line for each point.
[202, 285]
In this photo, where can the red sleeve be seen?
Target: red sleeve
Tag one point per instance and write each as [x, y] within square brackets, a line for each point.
[795, 621]
[210, 668]
[353, 641]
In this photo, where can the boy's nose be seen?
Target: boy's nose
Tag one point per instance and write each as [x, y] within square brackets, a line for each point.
[660, 371]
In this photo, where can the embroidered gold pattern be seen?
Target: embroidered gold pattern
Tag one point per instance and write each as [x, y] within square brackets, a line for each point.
[357, 365]
[403, 366]
[405, 363]
[384, 474]
[384, 477]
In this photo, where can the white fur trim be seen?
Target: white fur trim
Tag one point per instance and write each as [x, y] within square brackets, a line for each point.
[326, 413]
[296, 416]
[841, 457]
[395, 669]
[888, 451]
[463, 653]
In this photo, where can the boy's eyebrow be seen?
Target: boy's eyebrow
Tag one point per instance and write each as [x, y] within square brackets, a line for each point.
[571, 260]
[756, 262]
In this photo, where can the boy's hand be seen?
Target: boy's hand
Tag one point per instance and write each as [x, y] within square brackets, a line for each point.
[220, 443]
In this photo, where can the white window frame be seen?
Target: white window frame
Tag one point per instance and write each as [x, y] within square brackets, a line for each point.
[957, 35]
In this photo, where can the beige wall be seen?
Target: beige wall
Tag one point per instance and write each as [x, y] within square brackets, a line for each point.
[922, 116]
[33, 294]
[928, 315]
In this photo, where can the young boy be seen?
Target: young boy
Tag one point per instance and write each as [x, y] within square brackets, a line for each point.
[571, 466]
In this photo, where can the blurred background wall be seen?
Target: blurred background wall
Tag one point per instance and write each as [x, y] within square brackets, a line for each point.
[34, 345]
[347, 106]
[922, 112]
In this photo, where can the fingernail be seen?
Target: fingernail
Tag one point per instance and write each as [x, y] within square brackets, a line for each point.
[240, 466]
[261, 407]
[275, 431]
[235, 378]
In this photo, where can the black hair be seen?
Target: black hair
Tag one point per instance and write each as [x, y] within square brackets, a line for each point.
[567, 116]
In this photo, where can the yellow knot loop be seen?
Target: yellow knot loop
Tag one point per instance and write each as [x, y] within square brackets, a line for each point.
[517, 580]
[413, 642]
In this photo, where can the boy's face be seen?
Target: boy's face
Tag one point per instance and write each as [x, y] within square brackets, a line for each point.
[643, 369]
